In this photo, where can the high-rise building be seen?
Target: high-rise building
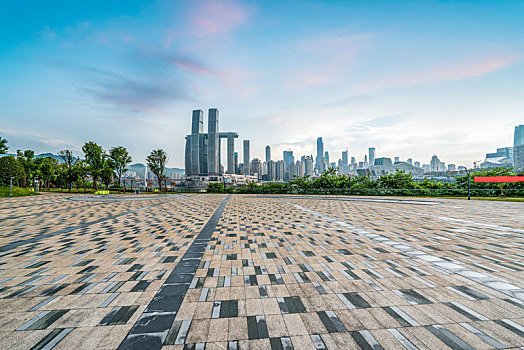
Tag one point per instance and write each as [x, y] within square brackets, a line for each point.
[271, 170]
[247, 170]
[326, 159]
[452, 167]
[213, 145]
[409, 161]
[236, 163]
[308, 165]
[518, 158]
[397, 159]
[518, 139]
[518, 148]
[268, 154]
[256, 167]
[280, 170]
[202, 153]
[319, 161]
[196, 149]
[288, 159]
[371, 151]
[435, 164]
[417, 164]
[292, 170]
[345, 158]
[301, 169]
[353, 160]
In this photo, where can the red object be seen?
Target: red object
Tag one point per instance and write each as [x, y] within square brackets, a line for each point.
[498, 179]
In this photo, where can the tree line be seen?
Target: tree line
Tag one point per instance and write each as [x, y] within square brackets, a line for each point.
[398, 183]
[98, 167]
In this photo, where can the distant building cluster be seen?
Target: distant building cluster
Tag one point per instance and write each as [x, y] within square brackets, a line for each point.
[203, 158]
[508, 156]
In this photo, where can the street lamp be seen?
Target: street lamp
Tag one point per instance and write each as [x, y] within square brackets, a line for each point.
[468, 171]
[11, 186]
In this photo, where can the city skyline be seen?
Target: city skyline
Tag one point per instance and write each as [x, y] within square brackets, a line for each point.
[410, 79]
[203, 154]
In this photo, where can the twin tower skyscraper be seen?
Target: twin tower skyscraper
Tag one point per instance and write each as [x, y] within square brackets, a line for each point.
[202, 156]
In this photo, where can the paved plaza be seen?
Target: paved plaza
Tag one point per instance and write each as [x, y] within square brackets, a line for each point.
[214, 271]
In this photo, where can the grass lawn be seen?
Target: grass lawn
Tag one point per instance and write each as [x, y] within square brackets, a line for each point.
[17, 191]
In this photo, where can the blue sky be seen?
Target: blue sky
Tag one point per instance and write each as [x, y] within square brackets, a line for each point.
[411, 78]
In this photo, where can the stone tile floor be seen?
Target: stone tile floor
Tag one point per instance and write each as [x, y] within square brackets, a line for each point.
[260, 272]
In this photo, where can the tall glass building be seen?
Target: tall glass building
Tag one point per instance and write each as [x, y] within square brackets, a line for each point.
[518, 148]
[247, 163]
[319, 161]
[202, 153]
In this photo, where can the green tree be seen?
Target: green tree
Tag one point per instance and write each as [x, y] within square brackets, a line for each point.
[398, 180]
[156, 161]
[47, 169]
[82, 169]
[107, 173]
[95, 157]
[3, 146]
[10, 167]
[67, 172]
[492, 188]
[26, 159]
[120, 159]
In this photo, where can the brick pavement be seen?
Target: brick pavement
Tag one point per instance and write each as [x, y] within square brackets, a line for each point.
[260, 272]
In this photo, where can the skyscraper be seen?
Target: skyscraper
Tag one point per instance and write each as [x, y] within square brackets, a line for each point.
[308, 165]
[345, 158]
[288, 158]
[271, 170]
[518, 140]
[213, 146]
[371, 151]
[202, 155]
[256, 167]
[196, 150]
[247, 168]
[268, 154]
[435, 164]
[319, 161]
[236, 162]
[326, 159]
[280, 170]
[518, 148]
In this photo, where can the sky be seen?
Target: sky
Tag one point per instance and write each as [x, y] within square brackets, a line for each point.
[410, 78]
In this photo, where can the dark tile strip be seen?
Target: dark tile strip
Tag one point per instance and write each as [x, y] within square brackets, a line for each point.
[486, 338]
[449, 338]
[509, 326]
[42, 320]
[365, 340]
[54, 337]
[154, 325]
[119, 315]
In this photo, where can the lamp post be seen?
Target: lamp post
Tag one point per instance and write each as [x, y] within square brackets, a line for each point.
[11, 186]
[468, 171]
[35, 184]
[349, 184]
